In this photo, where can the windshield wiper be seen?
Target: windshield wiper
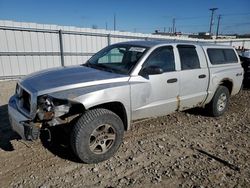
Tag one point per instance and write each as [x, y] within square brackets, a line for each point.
[98, 66]
[105, 68]
[86, 64]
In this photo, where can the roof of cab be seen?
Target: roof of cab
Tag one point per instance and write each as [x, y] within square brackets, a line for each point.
[152, 43]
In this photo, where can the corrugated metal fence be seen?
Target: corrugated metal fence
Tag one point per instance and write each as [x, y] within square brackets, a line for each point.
[30, 47]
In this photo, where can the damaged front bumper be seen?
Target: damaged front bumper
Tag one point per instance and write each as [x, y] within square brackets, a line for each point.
[20, 123]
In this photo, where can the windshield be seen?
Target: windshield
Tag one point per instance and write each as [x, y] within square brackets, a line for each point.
[119, 59]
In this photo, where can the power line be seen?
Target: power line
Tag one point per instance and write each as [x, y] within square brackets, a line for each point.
[192, 18]
[203, 16]
[235, 25]
[220, 26]
[236, 14]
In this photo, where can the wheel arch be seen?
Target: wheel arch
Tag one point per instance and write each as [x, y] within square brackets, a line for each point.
[118, 108]
[228, 83]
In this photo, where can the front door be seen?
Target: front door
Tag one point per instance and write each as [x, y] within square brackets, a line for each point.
[156, 95]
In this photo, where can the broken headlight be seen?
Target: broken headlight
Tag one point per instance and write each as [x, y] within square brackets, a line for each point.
[49, 107]
[18, 90]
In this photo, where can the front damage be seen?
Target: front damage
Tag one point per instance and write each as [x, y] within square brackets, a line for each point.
[50, 111]
[63, 107]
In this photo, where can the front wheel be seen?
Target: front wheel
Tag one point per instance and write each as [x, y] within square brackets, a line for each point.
[97, 135]
[219, 103]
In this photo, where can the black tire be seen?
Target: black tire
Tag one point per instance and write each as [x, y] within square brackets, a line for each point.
[215, 107]
[97, 135]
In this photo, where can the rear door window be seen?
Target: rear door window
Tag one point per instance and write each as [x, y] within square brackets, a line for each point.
[221, 56]
[230, 55]
[189, 57]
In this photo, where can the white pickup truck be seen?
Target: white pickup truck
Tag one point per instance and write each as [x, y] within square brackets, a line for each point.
[121, 83]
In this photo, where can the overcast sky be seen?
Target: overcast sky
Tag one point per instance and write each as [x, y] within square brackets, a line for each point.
[132, 15]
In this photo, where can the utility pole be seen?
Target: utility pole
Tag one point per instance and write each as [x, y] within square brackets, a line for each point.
[106, 25]
[218, 26]
[212, 18]
[114, 22]
[173, 29]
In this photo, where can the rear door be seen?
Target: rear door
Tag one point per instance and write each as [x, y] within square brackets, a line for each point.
[194, 76]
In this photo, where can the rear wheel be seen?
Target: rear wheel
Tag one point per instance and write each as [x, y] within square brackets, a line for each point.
[219, 103]
[97, 135]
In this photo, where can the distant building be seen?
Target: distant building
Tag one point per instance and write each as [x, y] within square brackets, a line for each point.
[175, 34]
[201, 35]
[225, 37]
[244, 36]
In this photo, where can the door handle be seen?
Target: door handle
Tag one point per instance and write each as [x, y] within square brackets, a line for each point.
[172, 80]
[202, 76]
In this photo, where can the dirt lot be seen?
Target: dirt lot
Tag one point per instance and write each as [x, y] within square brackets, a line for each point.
[180, 150]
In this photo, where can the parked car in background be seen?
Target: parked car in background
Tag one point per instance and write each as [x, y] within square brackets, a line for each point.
[245, 59]
[121, 83]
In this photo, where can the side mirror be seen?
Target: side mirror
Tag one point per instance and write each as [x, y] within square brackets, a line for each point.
[151, 70]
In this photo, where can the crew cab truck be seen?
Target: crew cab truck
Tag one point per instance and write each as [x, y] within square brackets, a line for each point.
[121, 83]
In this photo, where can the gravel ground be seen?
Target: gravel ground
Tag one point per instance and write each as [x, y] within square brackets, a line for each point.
[186, 149]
